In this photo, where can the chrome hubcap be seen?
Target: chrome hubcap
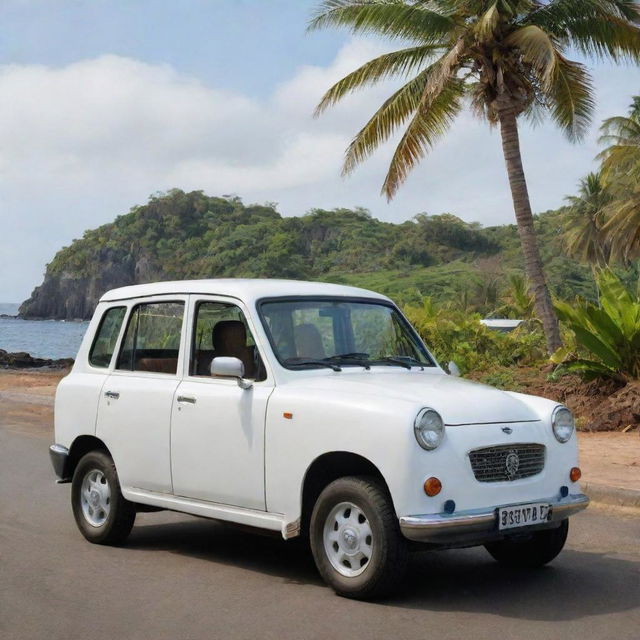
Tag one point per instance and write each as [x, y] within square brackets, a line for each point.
[348, 541]
[95, 498]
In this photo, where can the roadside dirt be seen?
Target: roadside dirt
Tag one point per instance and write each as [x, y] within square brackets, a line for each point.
[598, 405]
[26, 401]
[40, 381]
[611, 459]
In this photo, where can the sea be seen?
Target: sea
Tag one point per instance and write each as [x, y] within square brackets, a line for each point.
[41, 338]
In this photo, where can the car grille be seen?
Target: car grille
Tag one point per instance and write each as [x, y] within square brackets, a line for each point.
[508, 462]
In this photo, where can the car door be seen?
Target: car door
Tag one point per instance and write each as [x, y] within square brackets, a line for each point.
[217, 428]
[134, 413]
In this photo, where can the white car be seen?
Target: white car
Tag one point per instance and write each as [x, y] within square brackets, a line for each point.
[306, 409]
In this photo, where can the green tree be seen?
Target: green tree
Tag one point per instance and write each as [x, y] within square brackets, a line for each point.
[621, 171]
[585, 238]
[506, 56]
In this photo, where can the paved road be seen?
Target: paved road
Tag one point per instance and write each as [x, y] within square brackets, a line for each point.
[181, 577]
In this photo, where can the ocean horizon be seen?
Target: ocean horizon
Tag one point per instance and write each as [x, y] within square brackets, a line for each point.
[51, 339]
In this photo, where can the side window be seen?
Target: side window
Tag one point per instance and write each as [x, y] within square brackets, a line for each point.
[152, 340]
[220, 329]
[104, 343]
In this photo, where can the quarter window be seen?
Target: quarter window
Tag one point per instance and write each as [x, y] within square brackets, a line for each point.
[104, 343]
[152, 340]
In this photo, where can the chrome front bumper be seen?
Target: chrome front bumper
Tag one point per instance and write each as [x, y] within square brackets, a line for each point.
[478, 525]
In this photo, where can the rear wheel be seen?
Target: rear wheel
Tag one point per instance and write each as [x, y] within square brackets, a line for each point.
[542, 547]
[355, 538]
[100, 510]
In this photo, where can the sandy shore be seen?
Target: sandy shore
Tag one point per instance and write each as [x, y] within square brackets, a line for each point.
[26, 406]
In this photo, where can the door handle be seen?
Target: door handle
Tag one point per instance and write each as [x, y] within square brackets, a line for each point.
[112, 395]
[186, 399]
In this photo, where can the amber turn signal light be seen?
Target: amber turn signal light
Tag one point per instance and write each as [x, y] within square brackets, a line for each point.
[432, 486]
[575, 474]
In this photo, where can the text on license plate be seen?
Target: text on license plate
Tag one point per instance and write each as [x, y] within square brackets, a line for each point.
[523, 515]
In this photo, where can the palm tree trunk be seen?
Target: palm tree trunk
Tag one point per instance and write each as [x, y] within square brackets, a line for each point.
[524, 219]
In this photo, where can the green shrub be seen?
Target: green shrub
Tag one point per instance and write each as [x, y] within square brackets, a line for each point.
[606, 336]
[460, 336]
[501, 378]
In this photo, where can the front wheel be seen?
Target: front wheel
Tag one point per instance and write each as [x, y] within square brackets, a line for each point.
[355, 538]
[100, 510]
[542, 547]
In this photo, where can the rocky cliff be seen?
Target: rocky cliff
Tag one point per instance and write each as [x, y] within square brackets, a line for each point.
[66, 295]
[111, 256]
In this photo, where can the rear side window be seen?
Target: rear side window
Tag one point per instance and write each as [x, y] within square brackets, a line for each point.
[104, 343]
[152, 340]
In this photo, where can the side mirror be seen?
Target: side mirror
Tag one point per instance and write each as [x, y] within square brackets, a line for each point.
[230, 368]
[454, 370]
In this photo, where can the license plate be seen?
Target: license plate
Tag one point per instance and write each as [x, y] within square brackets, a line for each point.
[523, 515]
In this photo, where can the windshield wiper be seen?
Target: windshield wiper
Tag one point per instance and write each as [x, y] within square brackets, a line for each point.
[363, 360]
[413, 361]
[295, 362]
[391, 360]
[360, 359]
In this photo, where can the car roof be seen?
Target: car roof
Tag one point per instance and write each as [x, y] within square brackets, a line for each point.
[246, 289]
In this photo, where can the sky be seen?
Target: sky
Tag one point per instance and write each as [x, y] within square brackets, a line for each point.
[105, 102]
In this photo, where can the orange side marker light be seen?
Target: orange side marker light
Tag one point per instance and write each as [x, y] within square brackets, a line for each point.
[432, 486]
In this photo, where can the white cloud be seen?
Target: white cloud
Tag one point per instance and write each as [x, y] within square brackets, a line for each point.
[82, 143]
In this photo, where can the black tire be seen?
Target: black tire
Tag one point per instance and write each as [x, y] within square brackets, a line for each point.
[382, 573]
[119, 514]
[541, 548]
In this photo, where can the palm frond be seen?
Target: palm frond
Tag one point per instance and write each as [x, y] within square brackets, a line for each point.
[621, 127]
[392, 114]
[600, 28]
[623, 227]
[584, 236]
[396, 63]
[432, 120]
[621, 157]
[401, 105]
[488, 22]
[537, 49]
[389, 18]
[571, 91]
[620, 162]
[566, 84]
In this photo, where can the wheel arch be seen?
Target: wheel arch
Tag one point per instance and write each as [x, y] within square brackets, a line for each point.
[329, 467]
[80, 447]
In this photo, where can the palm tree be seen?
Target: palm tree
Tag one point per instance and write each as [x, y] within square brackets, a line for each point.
[506, 56]
[584, 237]
[520, 299]
[621, 171]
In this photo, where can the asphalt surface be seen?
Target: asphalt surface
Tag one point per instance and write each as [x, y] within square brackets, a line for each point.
[181, 577]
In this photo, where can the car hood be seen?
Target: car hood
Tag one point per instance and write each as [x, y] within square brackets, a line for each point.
[458, 401]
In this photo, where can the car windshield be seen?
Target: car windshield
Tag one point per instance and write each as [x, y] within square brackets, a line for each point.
[340, 332]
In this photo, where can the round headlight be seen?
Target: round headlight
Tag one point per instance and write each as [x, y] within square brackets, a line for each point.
[563, 424]
[429, 429]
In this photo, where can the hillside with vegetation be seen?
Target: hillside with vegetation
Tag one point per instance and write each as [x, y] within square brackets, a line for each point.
[182, 235]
